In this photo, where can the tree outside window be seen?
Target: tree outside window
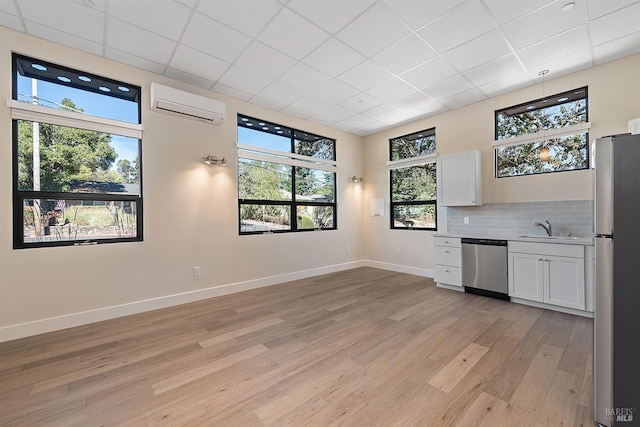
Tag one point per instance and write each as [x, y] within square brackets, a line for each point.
[562, 152]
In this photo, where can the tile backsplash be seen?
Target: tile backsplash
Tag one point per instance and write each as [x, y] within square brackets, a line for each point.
[506, 219]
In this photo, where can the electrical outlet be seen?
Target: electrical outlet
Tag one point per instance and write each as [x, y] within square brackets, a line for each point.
[196, 271]
[398, 251]
[348, 250]
[466, 220]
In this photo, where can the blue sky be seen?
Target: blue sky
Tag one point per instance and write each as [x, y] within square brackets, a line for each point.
[51, 95]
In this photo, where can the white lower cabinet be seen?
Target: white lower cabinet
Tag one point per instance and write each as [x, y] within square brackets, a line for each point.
[547, 273]
[447, 256]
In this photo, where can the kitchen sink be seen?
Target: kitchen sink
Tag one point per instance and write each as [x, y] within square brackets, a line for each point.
[551, 237]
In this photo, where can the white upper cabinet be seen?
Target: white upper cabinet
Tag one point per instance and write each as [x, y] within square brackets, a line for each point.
[460, 179]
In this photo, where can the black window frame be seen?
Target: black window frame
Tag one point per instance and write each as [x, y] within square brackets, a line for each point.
[293, 204]
[539, 104]
[20, 196]
[409, 163]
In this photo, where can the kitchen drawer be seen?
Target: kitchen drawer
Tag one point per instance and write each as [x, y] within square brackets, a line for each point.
[446, 255]
[550, 249]
[446, 241]
[448, 275]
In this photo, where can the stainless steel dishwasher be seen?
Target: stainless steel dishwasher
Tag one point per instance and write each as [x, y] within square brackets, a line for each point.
[484, 267]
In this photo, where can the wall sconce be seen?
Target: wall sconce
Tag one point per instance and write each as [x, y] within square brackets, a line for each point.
[544, 154]
[356, 179]
[213, 160]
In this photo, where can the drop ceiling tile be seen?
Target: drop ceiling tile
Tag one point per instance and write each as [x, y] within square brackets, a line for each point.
[405, 54]
[190, 3]
[616, 49]
[555, 47]
[361, 102]
[543, 23]
[564, 65]
[448, 87]
[615, 25]
[385, 113]
[182, 76]
[332, 115]
[323, 13]
[429, 73]
[242, 79]
[196, 63]
[61, 37]
[231, 91]
[506, 84]
[418, 13]
[478, 51]
[309, 105]
[494, 70]
[165, 17]
[334, 58]
[78, 20]
[598, 8]
[507, 10]
[8, 7]
[469, 20]
[303, 77]
[133, 60]
[213, 38]
[11, 21]
[414, 103]
[139, 42]
[334, 92]
[357, 121]
[266, 102]
[247, 16]
[365, 75]
[464, 98]
[265, 60]
[295, 112]
[391, 89]
[292, 35]
[374, 30]
[281, 94]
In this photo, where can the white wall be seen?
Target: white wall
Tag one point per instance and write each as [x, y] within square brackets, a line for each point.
[190, 210]
[190, 217]
[614, 99]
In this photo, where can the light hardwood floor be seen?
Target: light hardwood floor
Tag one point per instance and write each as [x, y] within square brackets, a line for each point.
[363, 347]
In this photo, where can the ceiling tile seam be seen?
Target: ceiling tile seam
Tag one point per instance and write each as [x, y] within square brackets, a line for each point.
[589, 36]
[20, 16]
[507, 41]
[438, 53]
[105, 27]
[179, 40]
[256, 38]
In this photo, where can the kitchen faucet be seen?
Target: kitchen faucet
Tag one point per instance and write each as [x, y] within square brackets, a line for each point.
[547, 227]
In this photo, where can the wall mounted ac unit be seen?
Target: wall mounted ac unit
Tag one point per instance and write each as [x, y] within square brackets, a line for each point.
[175, 101]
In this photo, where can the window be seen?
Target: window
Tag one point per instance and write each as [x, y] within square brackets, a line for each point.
[286, 179]
[412, 177]
[545, 135]
[77, 157]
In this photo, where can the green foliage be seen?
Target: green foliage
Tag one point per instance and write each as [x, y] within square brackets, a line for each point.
[404, 148]
[128, 171]
[565, 153]
[413, 183]
[65, 154]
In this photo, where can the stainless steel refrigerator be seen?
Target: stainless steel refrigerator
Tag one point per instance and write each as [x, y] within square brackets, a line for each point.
[617, 315]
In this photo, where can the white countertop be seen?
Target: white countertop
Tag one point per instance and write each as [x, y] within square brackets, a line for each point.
[588, 241]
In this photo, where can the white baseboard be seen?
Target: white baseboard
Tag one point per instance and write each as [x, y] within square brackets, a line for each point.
[21, 330]
[399, 268]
